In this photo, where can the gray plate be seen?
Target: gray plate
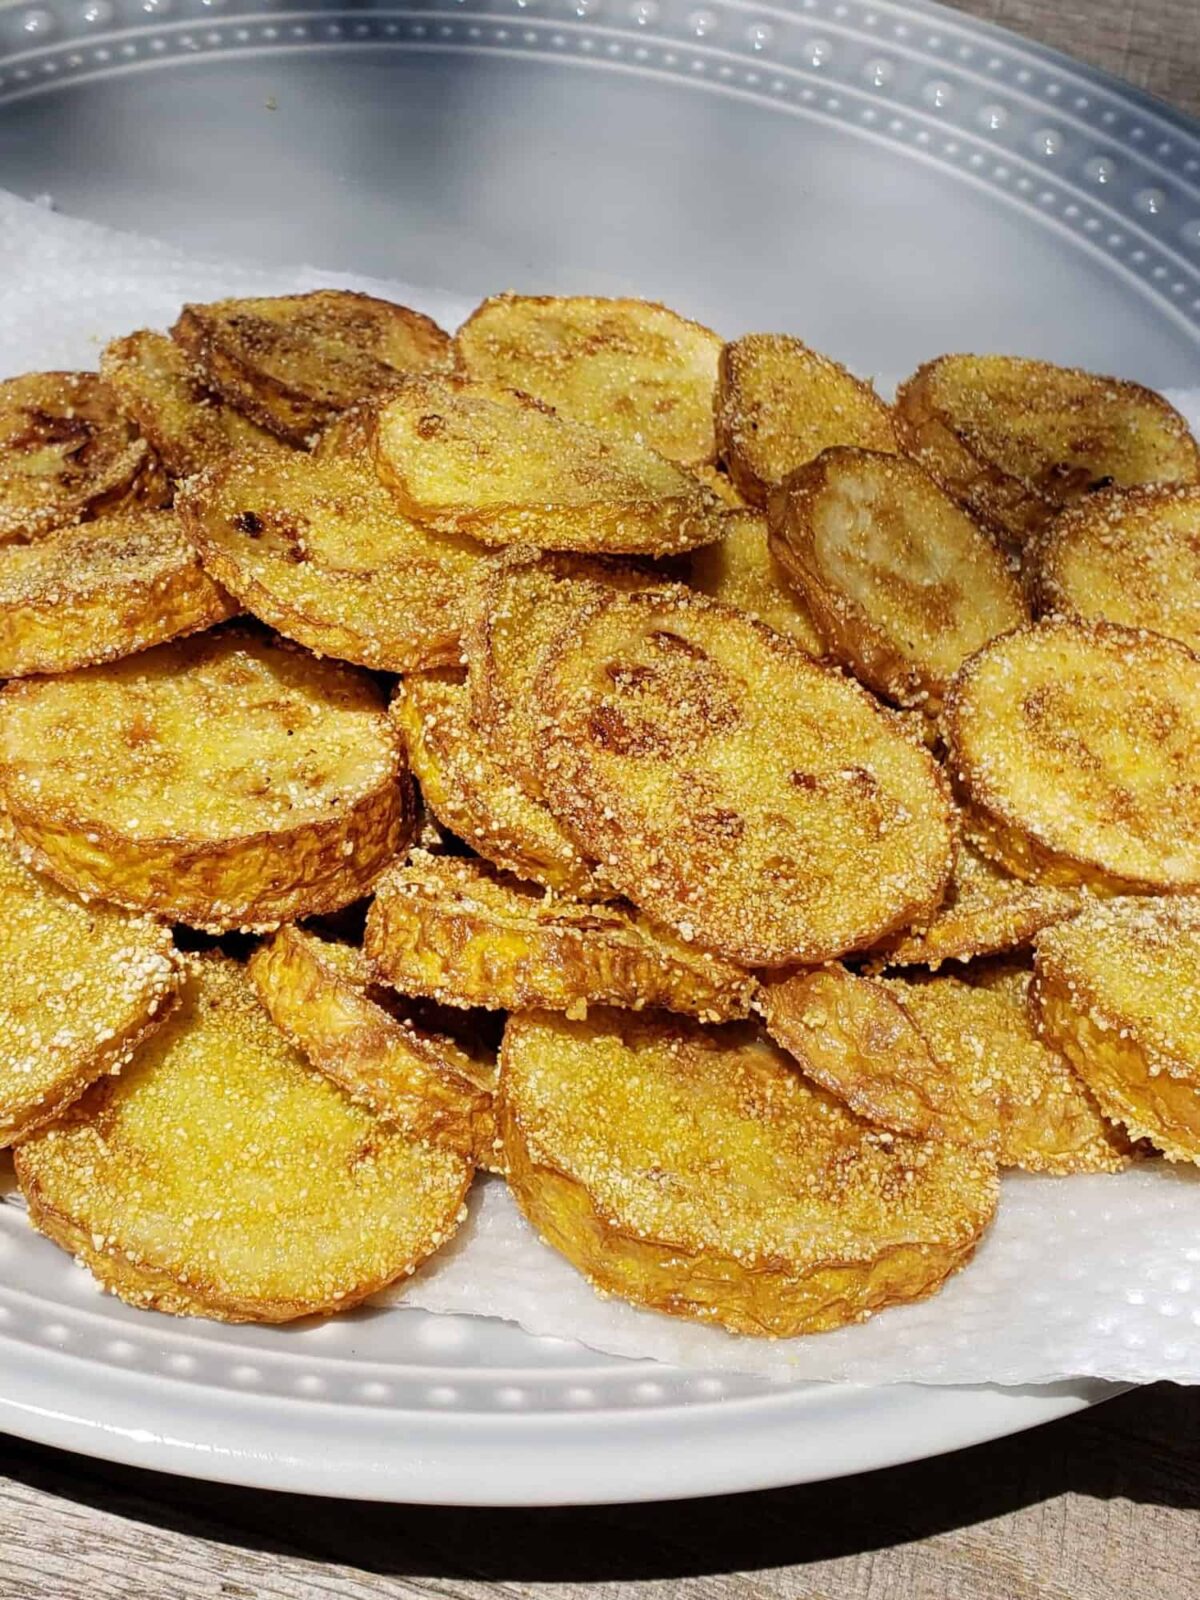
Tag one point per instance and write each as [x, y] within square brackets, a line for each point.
[888, 180]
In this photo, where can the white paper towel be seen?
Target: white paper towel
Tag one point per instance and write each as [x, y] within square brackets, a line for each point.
[1078, 1277]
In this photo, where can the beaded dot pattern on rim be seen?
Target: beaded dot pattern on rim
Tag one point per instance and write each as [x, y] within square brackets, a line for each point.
[424, 1364]
[1096, 161]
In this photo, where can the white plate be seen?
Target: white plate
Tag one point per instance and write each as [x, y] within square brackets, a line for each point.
[889, 180]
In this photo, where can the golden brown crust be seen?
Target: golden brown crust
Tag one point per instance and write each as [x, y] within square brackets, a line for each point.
[1017, 440]
[80, 988]
[901, 584]
[1118, 993]
[469, 458]
[630, 367]
[284, 1200]
[317, 549]
[292, 362]
[67, 454]
[741, 794]
[157, 389]
[1130, 556]
[174, 782]
[102, 590]
[779, 404]
[465, 935]
[1014, 1091]
[854, 1037]
[474, 796]
[323, 998]
[741, 570]
[526, 600]
[1077, 747]
[986, 912]
[696, 1172]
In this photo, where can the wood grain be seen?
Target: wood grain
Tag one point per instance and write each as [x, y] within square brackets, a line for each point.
[1101, 1505]
[1152, 43]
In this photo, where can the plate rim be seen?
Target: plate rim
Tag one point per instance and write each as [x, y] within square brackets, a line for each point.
[765, 1441]
[499, 1461]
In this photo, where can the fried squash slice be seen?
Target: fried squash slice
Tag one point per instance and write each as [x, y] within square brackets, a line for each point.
[737, 792]
[291, 363]
[319, 551]
[1020, 1093]
[526, 600]
[1077, 747]
[1016, 440]
[221, 781]
[1117, 991]
[695, 1171]
[67, 454]
[324, 998]
[853, 1036]
[280, 1198]
[80, 988]
[986, 912]
[157, 389]
[1130, 556]
[102, 590]
[901, 584]
[474, 796]
[741, 570]
[627, 367]
[464, 934]
[472, 459]
[779, 404]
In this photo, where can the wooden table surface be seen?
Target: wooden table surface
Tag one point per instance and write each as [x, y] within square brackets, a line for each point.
[1102, 1505]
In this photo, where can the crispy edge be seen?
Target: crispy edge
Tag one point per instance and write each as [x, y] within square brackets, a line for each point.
[417, 1080]
[109, 1057]
[290, 411]
[438, 747]
[964, 928]
[732, 423]
[856, 1038]
[851, 634]
[706, 1285]
[463, 338]
[424, 939]
[104, 621]
[990, 824]
[648, 525]
[1133, 1084]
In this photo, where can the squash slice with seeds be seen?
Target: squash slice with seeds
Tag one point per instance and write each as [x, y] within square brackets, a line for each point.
[291, 363]
[325, 998]
[221, 781]
[694, 1170]
[473, 459]
[318, 550]
[102, 590]
[463, 934]
[285, 1199]
[68, 454]
[736, 791]
[80, 988]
